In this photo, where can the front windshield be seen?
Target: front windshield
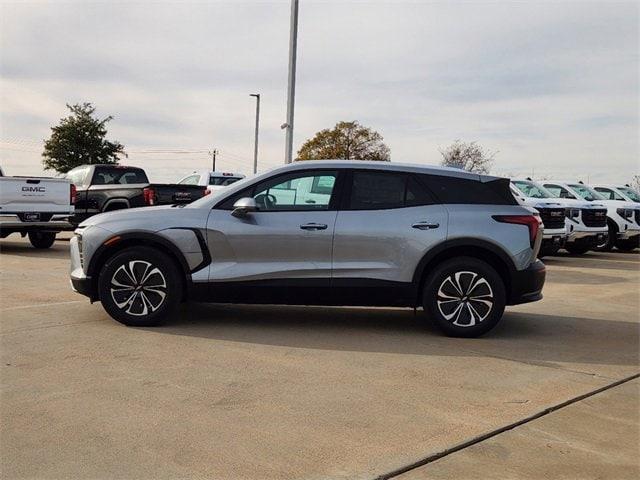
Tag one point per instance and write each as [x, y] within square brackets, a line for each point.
[631, 193]
[587, 193]
[531, 190]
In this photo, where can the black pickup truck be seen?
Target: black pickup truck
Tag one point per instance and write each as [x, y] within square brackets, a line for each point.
[103, 188]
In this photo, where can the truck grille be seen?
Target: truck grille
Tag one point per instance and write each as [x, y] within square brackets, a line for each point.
[594, 218]
[637, 215]
[552, 217]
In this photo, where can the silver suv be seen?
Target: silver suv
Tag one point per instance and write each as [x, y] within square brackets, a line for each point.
[322, 233]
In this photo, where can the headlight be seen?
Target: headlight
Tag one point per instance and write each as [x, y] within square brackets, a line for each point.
[625, 213]
[572, 212]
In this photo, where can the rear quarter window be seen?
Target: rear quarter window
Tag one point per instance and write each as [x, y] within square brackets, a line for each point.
[454, 190]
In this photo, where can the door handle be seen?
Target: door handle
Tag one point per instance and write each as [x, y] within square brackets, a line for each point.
[313, 226]
[425, 225]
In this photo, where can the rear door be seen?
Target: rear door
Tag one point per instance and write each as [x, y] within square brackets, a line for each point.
[387, 222]
[288, 238]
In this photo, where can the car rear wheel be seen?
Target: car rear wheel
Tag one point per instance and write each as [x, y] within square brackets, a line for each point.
[42, 239]
[465, 297]
[140, 287]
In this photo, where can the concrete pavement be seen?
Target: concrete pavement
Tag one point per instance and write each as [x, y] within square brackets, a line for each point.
[295, 392]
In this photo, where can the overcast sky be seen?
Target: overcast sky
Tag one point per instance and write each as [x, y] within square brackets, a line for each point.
[552, 86]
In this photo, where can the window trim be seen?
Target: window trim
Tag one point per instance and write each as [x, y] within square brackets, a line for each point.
[334, 201]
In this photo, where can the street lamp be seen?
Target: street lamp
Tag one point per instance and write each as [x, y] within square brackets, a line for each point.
[255, 144]
[291, 87]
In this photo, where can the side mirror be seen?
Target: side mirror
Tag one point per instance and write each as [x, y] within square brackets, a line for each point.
[243, 206]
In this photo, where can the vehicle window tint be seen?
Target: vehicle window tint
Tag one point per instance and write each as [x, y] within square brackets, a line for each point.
[631, 193]
[557, 191]
[116, 176]
[190, 180]
[608, 193]
[455, 190]
[294, 192]
[222, 181]
[371, 190]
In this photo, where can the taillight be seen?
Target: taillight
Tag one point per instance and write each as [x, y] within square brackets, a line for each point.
[72, 194]
[207, 192]
[533, 222]
[149, 196]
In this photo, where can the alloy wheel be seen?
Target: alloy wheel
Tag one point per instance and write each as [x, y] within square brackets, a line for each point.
[465, 298]
[138, 287]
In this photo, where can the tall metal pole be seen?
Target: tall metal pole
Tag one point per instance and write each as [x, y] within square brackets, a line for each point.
[291, 88]
[255, 144]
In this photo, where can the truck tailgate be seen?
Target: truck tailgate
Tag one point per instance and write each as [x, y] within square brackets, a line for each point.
[33, 194]
[167, 194]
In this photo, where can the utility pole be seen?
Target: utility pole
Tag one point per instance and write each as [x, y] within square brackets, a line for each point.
[213, 154]
[255, 144]
[291, 87]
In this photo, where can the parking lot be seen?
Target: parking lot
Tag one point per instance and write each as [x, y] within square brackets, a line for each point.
[305, 392]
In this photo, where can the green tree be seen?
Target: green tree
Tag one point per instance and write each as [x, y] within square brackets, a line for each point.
[79, 139]
[467, 156]
[346, 141]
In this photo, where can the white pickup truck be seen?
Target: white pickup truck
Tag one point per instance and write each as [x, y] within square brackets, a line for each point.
[35, 206]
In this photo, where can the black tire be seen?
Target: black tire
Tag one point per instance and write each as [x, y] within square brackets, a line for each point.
[611, 238]
[548, 251]
[440, 287]
[148, 308]
[626, 245]
[577, 249]
[42, 239]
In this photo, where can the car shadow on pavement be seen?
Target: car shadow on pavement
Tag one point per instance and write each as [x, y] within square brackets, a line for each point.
[60, 249]
[526, 337]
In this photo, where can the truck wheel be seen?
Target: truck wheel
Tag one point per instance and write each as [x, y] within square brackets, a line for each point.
[465, 297]
[140, 287]
[42, 239]
[611, 238]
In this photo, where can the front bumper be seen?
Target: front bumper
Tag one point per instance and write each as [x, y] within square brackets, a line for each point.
[526, 285]
[628, 235]
[590, 238]
[80, 282]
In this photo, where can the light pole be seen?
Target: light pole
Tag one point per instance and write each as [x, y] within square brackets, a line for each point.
[255, 144]
[291, 87]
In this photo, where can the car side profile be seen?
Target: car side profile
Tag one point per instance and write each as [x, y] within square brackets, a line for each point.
[322, 233]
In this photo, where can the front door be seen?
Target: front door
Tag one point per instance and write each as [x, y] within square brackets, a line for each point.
[280, 253]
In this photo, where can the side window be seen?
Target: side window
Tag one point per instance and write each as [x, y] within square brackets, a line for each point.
[371, 190]
[455, 190]
[76, 176]
[190, 180]
[558, 191]
[290, 192]
[608, 193]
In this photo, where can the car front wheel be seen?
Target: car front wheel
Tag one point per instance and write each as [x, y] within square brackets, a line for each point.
[140, 287]
[465, 297]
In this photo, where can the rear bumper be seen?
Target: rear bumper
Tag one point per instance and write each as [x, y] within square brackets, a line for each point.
[11, 223]
[526, 285]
